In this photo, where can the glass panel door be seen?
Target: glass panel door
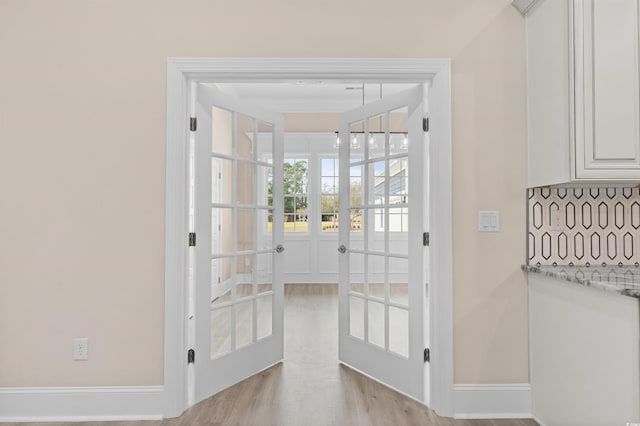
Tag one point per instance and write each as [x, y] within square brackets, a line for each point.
[239, 290]
[381, 223]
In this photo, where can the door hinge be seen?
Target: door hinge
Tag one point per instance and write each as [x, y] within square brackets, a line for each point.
[425, 124]
[191, 356]
[192, 239]
[193, 124]
[425, 239]
[427, 355]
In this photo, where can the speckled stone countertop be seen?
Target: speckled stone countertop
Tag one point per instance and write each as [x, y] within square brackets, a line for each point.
[618, 279]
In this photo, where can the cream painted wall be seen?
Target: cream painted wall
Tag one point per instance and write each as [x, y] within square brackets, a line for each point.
[82, 160]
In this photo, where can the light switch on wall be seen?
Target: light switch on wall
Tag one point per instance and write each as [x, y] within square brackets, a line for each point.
[488, 221]
[80, 349]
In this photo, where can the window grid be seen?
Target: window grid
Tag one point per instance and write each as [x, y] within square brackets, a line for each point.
[296, 195]
[329, 201]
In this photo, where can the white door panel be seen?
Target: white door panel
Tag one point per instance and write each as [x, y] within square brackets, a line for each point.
[239, 292]
[381, 293]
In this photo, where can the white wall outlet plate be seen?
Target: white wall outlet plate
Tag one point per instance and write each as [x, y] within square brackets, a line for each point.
[80, 349]
[488, 221]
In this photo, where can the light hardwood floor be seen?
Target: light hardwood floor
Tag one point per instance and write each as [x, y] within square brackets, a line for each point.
[310, 387]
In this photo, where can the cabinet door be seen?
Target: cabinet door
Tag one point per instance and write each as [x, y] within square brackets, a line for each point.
[607, 115]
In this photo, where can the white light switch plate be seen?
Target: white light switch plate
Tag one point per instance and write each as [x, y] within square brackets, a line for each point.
[488, 221]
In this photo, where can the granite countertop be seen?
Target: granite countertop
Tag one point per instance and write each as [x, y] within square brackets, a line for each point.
[624, 279]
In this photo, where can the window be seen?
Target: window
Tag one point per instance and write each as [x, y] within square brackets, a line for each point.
[295, 195]
[329, 200]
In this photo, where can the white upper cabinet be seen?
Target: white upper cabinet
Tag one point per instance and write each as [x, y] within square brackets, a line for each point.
[583, 89]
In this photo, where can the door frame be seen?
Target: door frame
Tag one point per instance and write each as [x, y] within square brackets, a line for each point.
[435, 72]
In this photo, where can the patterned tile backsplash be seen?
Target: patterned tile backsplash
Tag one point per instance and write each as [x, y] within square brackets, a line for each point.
[594, 226]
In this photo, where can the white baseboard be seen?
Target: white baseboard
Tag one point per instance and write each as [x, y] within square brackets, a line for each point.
[58, 404]
[508, 401]
[540, 423]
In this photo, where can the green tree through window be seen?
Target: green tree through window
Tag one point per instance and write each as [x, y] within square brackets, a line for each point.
[295, 189]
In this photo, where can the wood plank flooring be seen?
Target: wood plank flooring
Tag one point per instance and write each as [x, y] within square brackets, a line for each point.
[310, 388]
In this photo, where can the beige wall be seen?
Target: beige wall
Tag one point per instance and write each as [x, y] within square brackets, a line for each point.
[82, 160]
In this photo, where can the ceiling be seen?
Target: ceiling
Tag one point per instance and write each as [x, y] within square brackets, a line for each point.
[309, 96]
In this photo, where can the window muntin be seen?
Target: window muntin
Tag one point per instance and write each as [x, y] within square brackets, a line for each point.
[329, 200]
[296, 195]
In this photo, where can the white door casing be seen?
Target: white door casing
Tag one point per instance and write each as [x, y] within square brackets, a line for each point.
[182, 71]
[238, 321]
[381, 311]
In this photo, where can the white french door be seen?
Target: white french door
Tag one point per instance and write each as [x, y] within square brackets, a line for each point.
[382, 220]
[238, 213]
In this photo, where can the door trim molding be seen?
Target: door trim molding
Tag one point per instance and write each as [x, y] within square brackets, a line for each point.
[434, 71]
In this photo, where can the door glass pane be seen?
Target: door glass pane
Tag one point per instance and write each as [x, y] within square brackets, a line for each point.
[399, 138]
[245, 134]
[244, 275]
[222, 131]
[377, 136]
[244, 323]
[356, 141]
[221, 180]
[265, 185]
[356, 272]
[376, 230]
[375, 273]
[376, 290]
[398, 280]
[264, 306]
[380, 223]
[376, 183]
[376, 323]
[265, 239]
[356, 317]
[398, 143]
[244, 229]
[263, 275]
[399, 331]
[356, 188]
[220, 331]
[398, 180]
[356, 234]
[221, 238]
[222, 298]
[245, 175]
[399, 222]
[220, 275]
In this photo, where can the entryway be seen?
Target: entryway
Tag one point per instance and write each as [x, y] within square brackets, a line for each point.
[372, 350]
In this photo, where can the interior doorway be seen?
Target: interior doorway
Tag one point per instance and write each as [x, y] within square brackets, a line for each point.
[306, 209]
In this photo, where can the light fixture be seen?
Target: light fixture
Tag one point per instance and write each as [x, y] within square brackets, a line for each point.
[354, 142]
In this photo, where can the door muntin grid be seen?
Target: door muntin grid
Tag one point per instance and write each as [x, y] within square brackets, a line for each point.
[241, 309]
[378, 246]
